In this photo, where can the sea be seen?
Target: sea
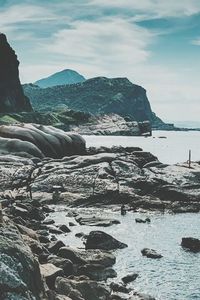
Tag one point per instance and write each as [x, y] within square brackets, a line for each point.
[176, 276]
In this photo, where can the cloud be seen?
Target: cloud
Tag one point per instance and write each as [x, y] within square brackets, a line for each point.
[196, 42]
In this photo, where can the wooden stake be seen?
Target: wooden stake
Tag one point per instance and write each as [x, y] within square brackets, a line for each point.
[189, 161]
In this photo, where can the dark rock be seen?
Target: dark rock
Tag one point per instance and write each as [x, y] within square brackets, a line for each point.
[12, 98]
[50, 273]
[150, 253]
[138, 220]
[65, 264]
[96, 272]
[82, 287]
[55, 246]
[48, 222]
[191, 244]
[82, 257]
[116, 287]
[55, 230]
[102, 240]
[96, 221]
[43, 239]
[20, 274]
[81, 235]
[64, 228]
[129, 278]
[72, 224]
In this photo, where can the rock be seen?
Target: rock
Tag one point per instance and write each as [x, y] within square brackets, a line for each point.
[95, 221]
[50, 273]
[43, 239]
[141, 296]
[81, 235]
[102, 240]
[55, 230]
[12, 98]
[191, 244]
[27, 231]
[129, 278]
[150, 253]
[54, 247]
[19, 271]
[116, 287]
[82, 257]
[65, 264]
[72, 224]
[96, 272]
[64, 228]
[138, 220]
[84, 288]
[48, 222]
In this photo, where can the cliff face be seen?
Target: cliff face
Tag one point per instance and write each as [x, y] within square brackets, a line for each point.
[12, 98]
[96, 96]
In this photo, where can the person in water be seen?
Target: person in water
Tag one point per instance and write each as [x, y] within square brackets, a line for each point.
[123, 210]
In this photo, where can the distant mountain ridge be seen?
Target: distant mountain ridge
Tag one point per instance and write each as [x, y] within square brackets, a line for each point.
[63, 77]
[99, 95]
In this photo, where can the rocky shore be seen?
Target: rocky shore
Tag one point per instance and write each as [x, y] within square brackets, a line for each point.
[35, 264]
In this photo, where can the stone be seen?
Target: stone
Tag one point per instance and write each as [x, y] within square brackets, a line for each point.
[96, 272]
[129, 278]
[82, 257]
[64, 228]
[95, 221]
[87, 289]
[102, 240]
[54, 247]
[65, 264]
[48, 222]
[191, 244]
[150, 253]
[116, 287]
[50, 273]
[19, 270]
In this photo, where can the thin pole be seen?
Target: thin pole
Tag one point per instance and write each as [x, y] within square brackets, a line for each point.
[190, 155]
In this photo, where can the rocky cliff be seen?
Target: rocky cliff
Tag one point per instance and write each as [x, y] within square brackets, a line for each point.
[12, 98]
[98, 95]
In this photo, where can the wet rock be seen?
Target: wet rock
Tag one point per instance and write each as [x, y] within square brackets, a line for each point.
[54, 247]
[82, 287]
[191, 244]
[64, 228]
[50, 273]
[82, 257]
[48, 222]
[96, 272]
[43, 239]
[65, 264]
[72, 224]
[129, 278]
[55, 230]
[116, 287]
[102, 240]
[138, 220]
[80, 235]
[150, 253]
[96, 221]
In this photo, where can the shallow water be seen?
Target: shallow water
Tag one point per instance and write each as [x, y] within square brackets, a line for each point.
[176, 276]
[172, 149]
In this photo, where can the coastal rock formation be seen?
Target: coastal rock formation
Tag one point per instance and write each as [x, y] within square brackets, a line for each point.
[12, 98]
[60, 78]
[191, 244]
[97, 96]
[19, 271]
[80, 122]
[39, 141]
[102, 240]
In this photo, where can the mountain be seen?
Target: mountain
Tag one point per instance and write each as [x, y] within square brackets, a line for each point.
[60, 78]
[12, 98]
[97, 96]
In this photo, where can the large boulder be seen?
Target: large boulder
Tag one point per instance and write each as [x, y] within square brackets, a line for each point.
[191, 244]
[12, 98]
[102, 240]
[19, 271]
[82, 288]
[39, 141]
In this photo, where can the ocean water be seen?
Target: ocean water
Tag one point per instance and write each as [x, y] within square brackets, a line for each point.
[172, 149]
[176, 276]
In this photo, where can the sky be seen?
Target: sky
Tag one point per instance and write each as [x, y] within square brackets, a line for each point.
[154, 43]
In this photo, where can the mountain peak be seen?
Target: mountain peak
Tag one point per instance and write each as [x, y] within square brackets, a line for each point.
[66, 76]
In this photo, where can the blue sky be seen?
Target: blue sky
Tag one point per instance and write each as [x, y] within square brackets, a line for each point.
[155, 43]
